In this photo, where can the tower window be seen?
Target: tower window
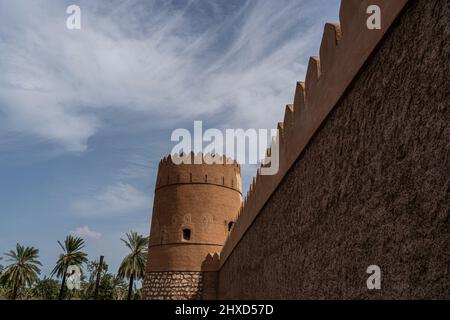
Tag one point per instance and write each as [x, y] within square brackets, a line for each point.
[186, 234]
[230, 225]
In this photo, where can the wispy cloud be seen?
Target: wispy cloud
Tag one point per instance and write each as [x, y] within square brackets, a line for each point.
[117, 199]
[137, 167]
[86, 233]
[111, 91]
[158, 61]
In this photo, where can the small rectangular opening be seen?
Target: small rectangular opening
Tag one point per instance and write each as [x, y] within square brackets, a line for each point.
[186, 234]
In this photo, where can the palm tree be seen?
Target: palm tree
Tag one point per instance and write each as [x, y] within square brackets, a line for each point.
[46, 289]
[72, 255]
[133, 265]
[24, 268]
[119, 288]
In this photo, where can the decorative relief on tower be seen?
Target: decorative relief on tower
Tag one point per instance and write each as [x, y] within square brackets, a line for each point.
[207, 221]
[187, 219]
[163, 235]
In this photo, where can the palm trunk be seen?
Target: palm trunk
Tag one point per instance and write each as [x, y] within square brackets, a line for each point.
[15, 287]
[130, 287]
[63, 284]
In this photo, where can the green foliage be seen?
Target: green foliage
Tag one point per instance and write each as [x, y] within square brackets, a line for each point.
[88, 287]
[72, 255]
[137, 294]
[2, 268]
[92, 269]
[23, 269]
[20, 277]
[133, 265]
[26, 293]
[110, 288]
[5, 292]
[46, 289]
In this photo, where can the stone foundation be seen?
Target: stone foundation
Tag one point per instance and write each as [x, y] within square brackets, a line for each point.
[173, 285]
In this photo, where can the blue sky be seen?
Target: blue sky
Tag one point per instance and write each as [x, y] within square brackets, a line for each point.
[85, 115]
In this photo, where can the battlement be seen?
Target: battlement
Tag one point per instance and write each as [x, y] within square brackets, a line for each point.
[223, 172]
[344, 49]
[211, 262]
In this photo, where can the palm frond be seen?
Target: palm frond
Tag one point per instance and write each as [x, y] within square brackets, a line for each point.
[135, 262]
[72, 255]
[24, 267]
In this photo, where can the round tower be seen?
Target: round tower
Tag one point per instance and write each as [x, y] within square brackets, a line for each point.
[195, 206]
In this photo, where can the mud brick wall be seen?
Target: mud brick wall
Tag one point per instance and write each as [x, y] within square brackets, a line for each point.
[210, 285]
[372, 186]
[173, 285]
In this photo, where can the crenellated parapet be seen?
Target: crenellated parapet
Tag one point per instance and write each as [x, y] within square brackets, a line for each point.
[223, 172]
[344, 49]
[211, 262]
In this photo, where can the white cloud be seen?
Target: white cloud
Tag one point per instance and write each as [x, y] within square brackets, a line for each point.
[118, 199]
[86, 233]
[56, 85]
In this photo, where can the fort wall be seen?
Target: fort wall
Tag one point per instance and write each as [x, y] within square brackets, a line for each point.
[363, 179]
[371, 187]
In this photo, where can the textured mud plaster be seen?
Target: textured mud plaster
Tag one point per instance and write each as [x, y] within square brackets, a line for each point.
[372, 187]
